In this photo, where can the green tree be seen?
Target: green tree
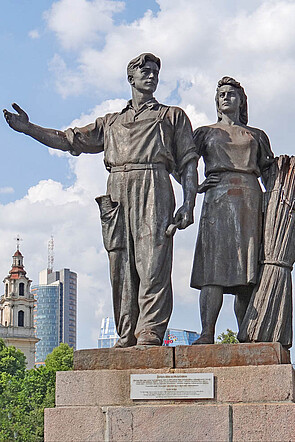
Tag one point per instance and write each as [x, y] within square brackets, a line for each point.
[61, 358]
[229, 337]
[25, 393]
[12, 361]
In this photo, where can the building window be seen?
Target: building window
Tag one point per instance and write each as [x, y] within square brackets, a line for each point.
[21, 318]
[21, 289]
[6, 289]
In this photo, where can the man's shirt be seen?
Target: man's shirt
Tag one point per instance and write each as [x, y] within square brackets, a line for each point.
[155, 133]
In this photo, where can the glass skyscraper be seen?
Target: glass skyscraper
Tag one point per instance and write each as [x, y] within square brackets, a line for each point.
[108, 335]
[174, 337]
[55, 312]
[48, 318]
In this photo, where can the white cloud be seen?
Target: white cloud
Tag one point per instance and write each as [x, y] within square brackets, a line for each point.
[198, 42]
[68, 82]
[197, 118]
[267, 30]
[107, 106]
[5, 190]
[78, 22]
[34, 34]
[71, 216]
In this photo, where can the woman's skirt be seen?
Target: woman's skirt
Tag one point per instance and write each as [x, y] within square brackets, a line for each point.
[229, 237]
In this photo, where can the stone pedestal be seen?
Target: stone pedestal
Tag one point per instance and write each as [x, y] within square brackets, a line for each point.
[253, 400]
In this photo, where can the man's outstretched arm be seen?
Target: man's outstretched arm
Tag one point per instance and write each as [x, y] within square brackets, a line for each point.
[189, 181]
[50, 137]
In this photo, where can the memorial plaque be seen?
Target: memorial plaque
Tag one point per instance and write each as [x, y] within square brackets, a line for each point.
[172, 386]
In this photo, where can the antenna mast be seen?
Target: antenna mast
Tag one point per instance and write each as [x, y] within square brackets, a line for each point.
[50, 255]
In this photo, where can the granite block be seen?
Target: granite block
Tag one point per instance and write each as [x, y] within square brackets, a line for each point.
[232, 384]
[124, 358]
[261, 383]
[96, 387]
[74, 424]
[264, 422]
[229, 355]
[168, 423]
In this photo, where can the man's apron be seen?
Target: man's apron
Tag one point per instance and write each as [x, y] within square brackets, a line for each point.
[135, 214]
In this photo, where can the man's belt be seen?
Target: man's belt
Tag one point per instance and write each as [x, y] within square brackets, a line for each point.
[138, 166]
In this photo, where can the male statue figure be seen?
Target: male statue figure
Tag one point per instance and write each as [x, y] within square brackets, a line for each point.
[142, 145]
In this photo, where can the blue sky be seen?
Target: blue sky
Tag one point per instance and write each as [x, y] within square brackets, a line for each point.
[26, 79]
[64, 62]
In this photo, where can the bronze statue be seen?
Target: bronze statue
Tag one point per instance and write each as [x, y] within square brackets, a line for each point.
[229, 239]
[142, 145]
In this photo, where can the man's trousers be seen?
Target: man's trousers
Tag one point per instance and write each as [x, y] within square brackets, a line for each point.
[135, 214]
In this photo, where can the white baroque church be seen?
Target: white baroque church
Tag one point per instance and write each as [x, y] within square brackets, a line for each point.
[17, 310]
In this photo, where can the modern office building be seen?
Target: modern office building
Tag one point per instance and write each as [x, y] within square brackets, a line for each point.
[17, 310]
[174, 337]
[56, 311]
[108, 335]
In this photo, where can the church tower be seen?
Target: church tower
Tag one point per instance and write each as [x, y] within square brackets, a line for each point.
[17, 310]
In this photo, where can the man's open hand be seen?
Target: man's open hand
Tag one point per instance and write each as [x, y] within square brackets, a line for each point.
[19, 121]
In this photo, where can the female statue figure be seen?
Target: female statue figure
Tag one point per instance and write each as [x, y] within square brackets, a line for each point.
[229, 238]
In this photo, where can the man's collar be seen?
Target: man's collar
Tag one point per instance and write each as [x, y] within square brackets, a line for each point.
[150, 104]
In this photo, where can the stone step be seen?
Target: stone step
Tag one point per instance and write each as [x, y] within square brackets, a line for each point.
[230, 355]
[262, 422]
[184, 356]
[124, 358]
